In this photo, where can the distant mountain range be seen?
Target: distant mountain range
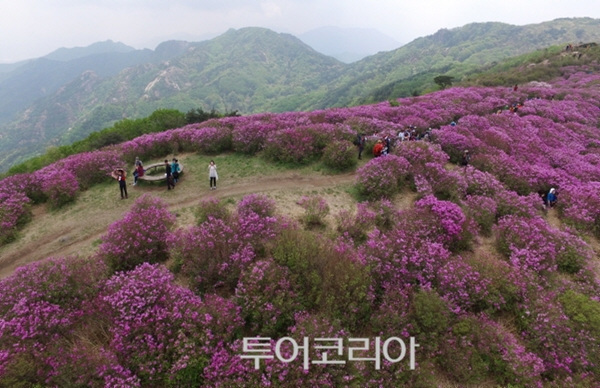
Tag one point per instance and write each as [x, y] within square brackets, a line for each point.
[348, 44]
[72, 92]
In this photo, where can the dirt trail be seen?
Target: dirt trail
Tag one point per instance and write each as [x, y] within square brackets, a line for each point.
[552, 218]
[77, 232]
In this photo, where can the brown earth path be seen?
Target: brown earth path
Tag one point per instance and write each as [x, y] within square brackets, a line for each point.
[78, 229]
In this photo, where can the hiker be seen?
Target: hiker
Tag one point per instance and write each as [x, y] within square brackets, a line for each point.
[552, 197]
[119, 175]
[361, 145]
[169, 174]
[388, 145]
[212, 175]
[175, 169]
[138, 172]
[466, 158]
[401, 135]
[378, 148]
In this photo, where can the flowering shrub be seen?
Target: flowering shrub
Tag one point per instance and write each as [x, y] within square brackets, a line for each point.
[462, 286]
[160, 330]
[311, 326]
[139, 237]
[328, 276]
[257, 203]
[580, 206]
[60, 186]
[447, 223]
[211, 208]
[41, 303]
[91, 167]
[444, 184]
[204, 253]
[533, 244]
[340, 155]
[569, 351]
[483, 210]
[14, 212]
[481, 183]
[267, 298]
[418, 154]
[397, 259]
[191, 138]
[382, 177]
[316, 209]
[355, 226]
[477, 349]
[291, 145]
[249, 137]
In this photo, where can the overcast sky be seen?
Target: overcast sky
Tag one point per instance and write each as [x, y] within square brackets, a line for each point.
[34, 28]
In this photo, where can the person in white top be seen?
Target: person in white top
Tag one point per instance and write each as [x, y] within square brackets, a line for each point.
[212, 175]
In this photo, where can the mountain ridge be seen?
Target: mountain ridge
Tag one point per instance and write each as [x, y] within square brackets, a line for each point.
[247, 70]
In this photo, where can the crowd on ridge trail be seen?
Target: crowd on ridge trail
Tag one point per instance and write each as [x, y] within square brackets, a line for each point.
[383, 147]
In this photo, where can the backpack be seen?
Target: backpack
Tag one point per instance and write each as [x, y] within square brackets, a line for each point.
[357, 140]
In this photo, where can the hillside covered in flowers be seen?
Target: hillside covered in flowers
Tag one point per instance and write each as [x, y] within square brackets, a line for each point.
[163, 306]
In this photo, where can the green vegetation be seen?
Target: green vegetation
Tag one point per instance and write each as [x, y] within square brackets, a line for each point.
[443, 81]
[124, 130]
[256, 70]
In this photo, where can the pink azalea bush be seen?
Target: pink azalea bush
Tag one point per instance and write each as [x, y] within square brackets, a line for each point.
[163, 332]
[14, 212]
[60, 186]
[140, 236]
[91, 168]
[340, 155]
[41, 304]
[530, 243]
[214, 253]
[267, 298]
[382, 177]
[316, 209]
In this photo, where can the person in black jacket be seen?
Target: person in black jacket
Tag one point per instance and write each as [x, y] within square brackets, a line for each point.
[169, 174]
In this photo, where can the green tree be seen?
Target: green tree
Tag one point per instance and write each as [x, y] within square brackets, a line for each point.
[443, 81]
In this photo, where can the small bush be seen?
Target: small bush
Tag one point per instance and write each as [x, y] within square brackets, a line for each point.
[60, 186]
[316, 209]
[583, 311]
[257, 203]
[267, 298]
[340, 155]
[431, 319]
[141, 236]
[382, 177]
[205, 255]
[211, 208]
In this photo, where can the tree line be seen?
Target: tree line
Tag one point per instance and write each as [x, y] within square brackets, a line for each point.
[124, 130]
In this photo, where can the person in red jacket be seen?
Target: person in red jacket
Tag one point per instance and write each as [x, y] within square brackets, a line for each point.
[378, 148]
[139, 171]
[119, 175]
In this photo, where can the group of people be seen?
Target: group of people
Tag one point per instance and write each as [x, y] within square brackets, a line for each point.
[383, 146]
[172, 172]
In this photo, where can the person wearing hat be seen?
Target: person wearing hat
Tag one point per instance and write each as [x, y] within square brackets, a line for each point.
[551, 198]
[119, 175]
